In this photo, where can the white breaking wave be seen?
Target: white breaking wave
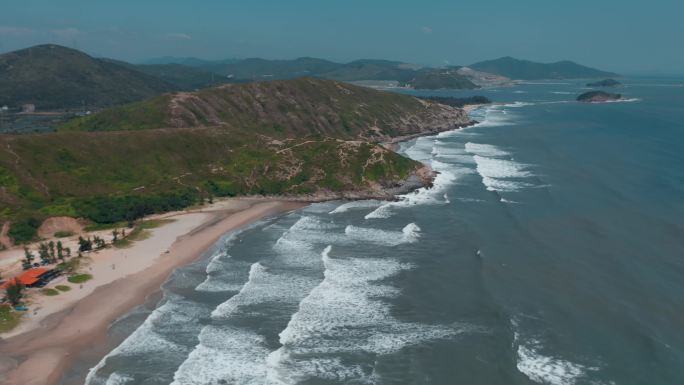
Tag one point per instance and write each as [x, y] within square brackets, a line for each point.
[447, 175]
[345, 314]
[485, 150]
[447, 151]
[500, 168]
[497, 173]
[262, 287]
[496, 116]
[223, 274]
[238, 355]
[547, 370]
[627, 100]
[421, 150]
[303, 235]
[234, 355]
[409, 234]
[518, 104]
[355, 205]
[147, 340]
[118, 379]
[494, 184]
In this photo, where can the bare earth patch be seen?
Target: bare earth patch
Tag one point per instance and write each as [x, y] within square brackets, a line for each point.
[59, 224]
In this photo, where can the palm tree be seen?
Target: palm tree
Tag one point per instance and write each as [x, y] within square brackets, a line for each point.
[44, 253]
[27, 262]
[51, 246]
[60, 251]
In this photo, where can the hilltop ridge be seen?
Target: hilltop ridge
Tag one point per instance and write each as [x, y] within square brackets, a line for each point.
[306, 138]
[55, 77]
[528, 70]
[283, 109]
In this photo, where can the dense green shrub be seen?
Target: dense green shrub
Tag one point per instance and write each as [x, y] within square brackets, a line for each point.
[111, 209]
[24, 231]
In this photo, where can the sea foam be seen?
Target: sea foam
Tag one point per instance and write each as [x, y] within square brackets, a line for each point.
[175, 316]
[355, 205]
[346, 315]
[273, 289]
[409, 234]
[547, 370]
[498, 174]
[541, 368]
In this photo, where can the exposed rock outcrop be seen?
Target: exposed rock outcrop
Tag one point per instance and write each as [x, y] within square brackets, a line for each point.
[598, 97]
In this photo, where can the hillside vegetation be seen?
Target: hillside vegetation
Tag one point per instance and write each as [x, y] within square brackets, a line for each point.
[441, 79]
[304, 136]
[54, 77]
[280, 109]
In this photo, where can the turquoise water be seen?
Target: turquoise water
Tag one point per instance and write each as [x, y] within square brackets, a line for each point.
[549, 252]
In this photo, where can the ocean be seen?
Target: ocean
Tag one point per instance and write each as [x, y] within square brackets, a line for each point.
[549, 251]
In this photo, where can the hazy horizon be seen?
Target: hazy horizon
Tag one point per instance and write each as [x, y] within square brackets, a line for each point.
[614, 36]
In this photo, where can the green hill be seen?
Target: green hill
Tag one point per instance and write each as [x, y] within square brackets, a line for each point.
[54, 77]
[528, 70]
[181, 76]
[434, 79]
[598, 97]
[263, 69]
[281, 108]
[604, 83]
[368, 69]
[303, 136]
[187, 61]
[364, 69]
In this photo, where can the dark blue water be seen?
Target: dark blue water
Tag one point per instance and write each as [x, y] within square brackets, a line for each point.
[550, 251]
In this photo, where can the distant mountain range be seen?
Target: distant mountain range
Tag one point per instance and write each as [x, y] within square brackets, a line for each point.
[527, 70]
[55, 77]
[188, 61]
[182, 77]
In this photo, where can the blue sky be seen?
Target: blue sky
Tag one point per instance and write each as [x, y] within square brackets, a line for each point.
[626, 36]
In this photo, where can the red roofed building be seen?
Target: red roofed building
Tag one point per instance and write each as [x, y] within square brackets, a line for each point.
[29, 278]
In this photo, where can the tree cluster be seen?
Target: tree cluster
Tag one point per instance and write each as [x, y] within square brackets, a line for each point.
[48, 253]
[112, 209]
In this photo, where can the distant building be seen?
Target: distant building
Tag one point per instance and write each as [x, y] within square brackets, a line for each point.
[28, 108]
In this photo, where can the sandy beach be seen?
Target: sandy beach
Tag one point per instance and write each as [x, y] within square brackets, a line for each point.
[57, 328]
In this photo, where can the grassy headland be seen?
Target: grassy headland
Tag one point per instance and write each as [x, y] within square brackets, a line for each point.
[295, 137]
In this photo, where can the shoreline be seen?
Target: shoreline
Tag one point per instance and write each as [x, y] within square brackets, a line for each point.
[40, 352]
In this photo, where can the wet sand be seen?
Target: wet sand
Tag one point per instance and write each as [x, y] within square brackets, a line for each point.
[40, 350]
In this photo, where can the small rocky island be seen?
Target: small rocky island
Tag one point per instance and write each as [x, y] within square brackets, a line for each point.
[598, 97]
[605, 83]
